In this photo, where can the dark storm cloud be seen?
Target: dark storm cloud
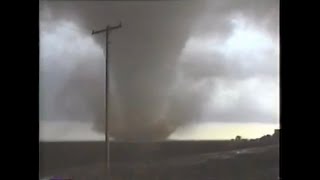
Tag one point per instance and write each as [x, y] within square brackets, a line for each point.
[213, 20]
[201, 65]
[152, 92]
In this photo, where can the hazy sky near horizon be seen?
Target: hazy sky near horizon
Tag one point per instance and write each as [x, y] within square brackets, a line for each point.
[178, 70]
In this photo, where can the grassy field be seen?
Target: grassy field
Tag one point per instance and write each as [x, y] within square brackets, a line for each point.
[162, 160]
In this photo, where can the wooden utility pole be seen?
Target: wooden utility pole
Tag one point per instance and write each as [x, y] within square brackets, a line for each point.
[107, 30]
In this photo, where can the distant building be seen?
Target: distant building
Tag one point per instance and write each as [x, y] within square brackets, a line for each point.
[238, 138]
[276, 133]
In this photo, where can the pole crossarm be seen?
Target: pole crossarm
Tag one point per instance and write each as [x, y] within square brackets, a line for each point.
[108, 29]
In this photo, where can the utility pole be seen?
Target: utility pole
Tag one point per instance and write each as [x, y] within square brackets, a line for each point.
[107, 30]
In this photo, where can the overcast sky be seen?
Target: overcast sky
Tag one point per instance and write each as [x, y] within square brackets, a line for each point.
[178, 70]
